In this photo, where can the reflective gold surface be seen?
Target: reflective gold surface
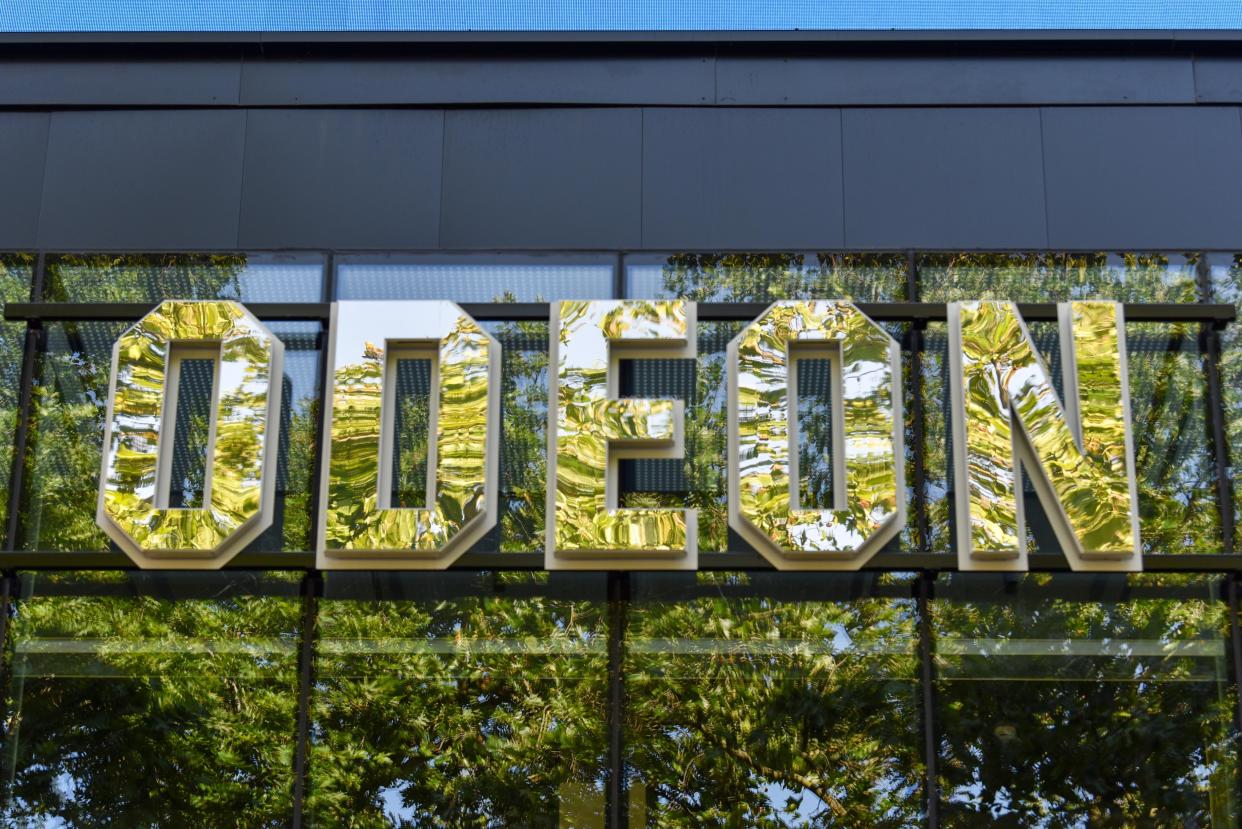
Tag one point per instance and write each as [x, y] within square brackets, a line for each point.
[241, 446]
[869, 488]
[591, 424]
[359, 528]
[1079, 457]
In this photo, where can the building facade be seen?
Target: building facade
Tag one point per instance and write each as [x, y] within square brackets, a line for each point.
[507, 171]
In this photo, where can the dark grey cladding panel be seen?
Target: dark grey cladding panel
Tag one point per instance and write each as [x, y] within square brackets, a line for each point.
[542, 178]
[943, 178]
[342, 178]
[742, 178]
[186, 82]
[1144, 177]
[23, 149]
[865, 80]
[1218, 79]
[480, 80]
[143, 180]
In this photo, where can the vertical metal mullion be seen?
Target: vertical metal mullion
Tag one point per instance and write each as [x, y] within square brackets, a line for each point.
[329, 288]
[7, 582]
[1235, 648]
[618, 608]
[917, 413]
[312, 582]
[618, 278]
[6, 595]
[927, 679]
[21, 435]
[1210, 354]
[312, 589]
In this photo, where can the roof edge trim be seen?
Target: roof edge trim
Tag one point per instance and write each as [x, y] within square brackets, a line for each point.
[931, 36]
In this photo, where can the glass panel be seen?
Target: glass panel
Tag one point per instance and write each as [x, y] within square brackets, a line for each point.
[523, 435]
[1226, 273]
[768, 699]
[938, 486]
[411, 422]
[814, 398]
[16, 273]
[700, 480]
[1058, 277]
[463, 699]
[1080, 700]
[1173, 452]
[70, 404]
[766, 277]
[139, 699]
[475, 279]
[195, 388]
[143, 278]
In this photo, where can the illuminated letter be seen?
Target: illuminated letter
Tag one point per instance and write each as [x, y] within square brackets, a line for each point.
[241, 444]
[586, 420]
[869, 491]
[1006, 416]
[358, 526]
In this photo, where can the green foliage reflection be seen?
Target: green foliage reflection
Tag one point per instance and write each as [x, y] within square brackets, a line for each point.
[756, 700]
[477, 704]
[1078, 700]
[71, 390]
[151, 700]
[1226, 282]
[1173, 457]
[16, 271]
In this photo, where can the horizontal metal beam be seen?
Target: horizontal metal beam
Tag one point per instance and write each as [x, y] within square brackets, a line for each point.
[1214, 314]
[130, 311]
[733, 560]
[97, 560]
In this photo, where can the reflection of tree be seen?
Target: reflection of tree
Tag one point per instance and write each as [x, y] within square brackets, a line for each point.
[70, 398]
[1178, 505]
[477, 710]
[1177, 500]
[411, 436]
[749, 277]
[67, 421]
[1056, 711]
[742, 708]
[127, 709]
[750, 700]
[764, 705]
[523, 423]
[1227, 287]
[16, 271]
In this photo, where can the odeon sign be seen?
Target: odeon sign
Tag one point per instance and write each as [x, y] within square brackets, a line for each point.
[1006, 417]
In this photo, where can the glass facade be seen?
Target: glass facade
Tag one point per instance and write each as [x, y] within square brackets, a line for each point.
[1133, 671]
[149, 699]
[465, 700]
[746, 695]
[495, 694]
[71, 389]
[16, 273]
